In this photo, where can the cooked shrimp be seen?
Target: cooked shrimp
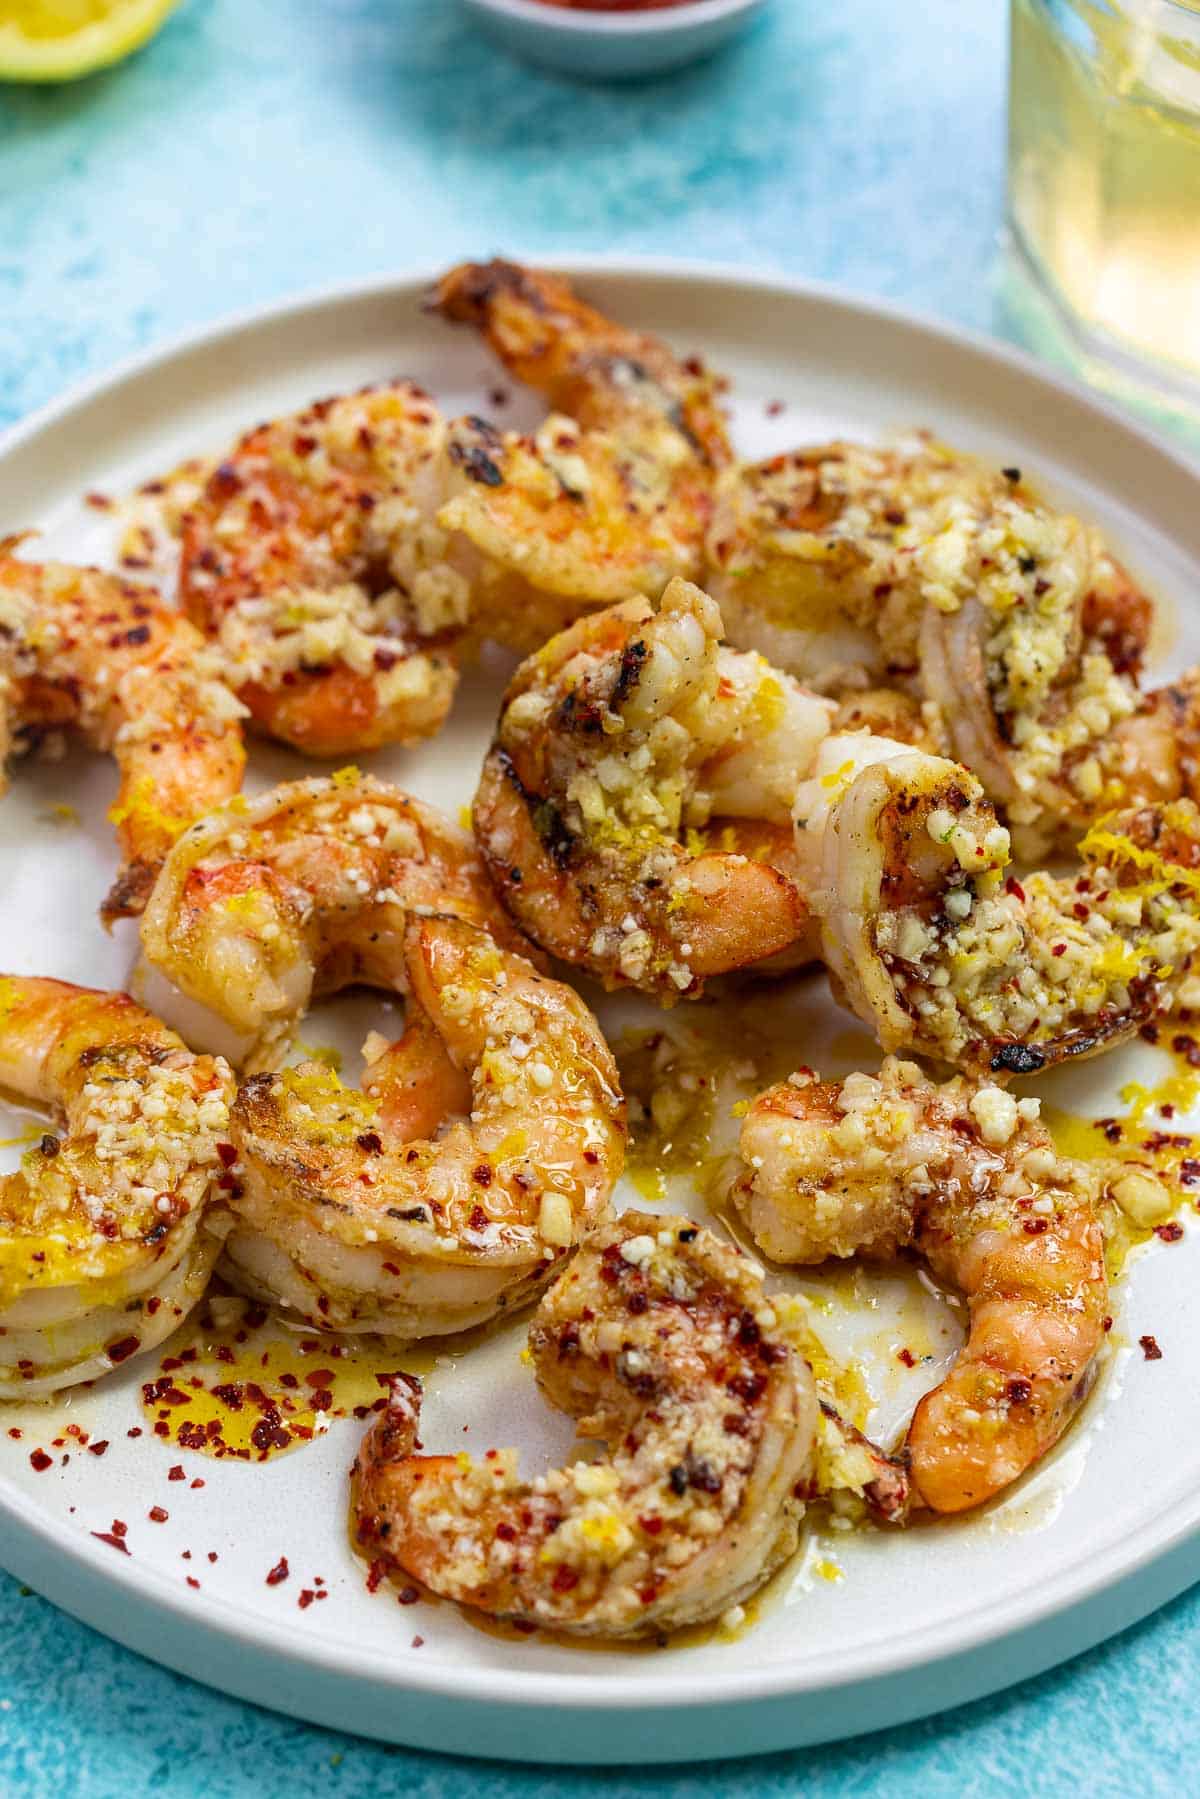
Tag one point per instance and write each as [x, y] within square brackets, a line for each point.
[432, 1215]
[660, 1340]
[928, 942]
[845, 564]
[308, 560]
[109, 1230]
[622, 748]
[827, 560]
[612, 495]
[87, 650]
[304, 891]
[965, 1175]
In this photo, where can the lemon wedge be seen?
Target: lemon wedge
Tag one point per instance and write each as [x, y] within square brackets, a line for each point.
[59, 40]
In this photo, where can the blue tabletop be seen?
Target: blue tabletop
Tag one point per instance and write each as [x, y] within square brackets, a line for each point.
[257, 148]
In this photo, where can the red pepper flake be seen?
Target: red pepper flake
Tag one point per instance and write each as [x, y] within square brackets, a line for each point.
[192, 1581]
[1150, 1349]
[157, 1515]
[1013, 886]
[39, 1461]
[418, 1642]
[1106, 1322]
[212, 1555]
[564, 1578]
[280, 1572]
[197, 1483]
[176, 1473]
[98, 1448]
[99, 502]
[1170, 1233]
[122, 1349]
[407, 1596]
[14, 1432]
[775, 409]
[115, 1538]
[305, 1598]
[907, 1357]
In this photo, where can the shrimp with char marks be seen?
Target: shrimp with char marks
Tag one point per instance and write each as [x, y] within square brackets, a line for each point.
[633, 809]
[931, 944]
[302, 892]
[967, 1176]
[110, 1228]
[611, 495]
[484, 1146]
[85, 650]
[310, 561]
[658, 1339]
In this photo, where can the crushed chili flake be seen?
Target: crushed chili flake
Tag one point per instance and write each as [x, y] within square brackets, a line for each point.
[305, 1598]
[1169, 1233]
[115, 1539]
[1150, 1349]
[157, 1515]
[98, 1448]
[176, 1473]
[279, 1572]
[39, 1461]
[907, 1357]
[192, 1581]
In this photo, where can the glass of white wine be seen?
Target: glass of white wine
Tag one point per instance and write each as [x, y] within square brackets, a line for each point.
[1104, 189]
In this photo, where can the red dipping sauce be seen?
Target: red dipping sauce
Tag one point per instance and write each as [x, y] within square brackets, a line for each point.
[614, 5]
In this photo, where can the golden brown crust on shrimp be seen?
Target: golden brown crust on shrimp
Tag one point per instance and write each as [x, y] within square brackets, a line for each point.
[107, 1232]
[639, 772]
[89, 651]
[305, 890]
[309, 561]
[460, 1200]
[660, 1340]
[931, 942]
[611, 495]
[969, 1178]
[585, 364]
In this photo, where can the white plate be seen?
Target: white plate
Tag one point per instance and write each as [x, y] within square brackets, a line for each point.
[1101, 1533]
[597, 46]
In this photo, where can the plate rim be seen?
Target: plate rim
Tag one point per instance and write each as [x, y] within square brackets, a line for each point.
[527, 1689]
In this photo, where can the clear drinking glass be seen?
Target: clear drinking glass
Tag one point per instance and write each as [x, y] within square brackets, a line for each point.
[1104, 189]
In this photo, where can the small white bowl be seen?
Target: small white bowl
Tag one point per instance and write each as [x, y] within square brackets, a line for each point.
[612, 46]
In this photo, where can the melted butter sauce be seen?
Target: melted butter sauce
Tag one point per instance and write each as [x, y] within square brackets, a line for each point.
[236, 1381]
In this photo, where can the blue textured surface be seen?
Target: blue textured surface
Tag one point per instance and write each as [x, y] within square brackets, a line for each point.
[264, 146]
